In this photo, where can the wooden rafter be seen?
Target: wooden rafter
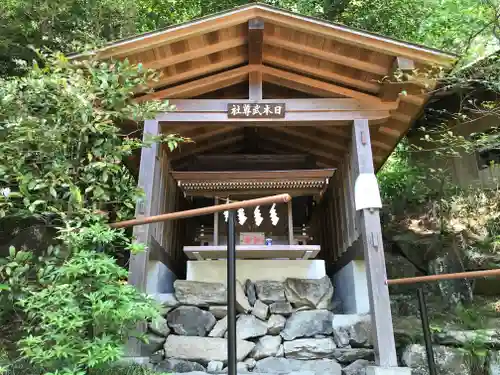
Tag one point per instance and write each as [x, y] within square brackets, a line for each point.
[326, 55]
[276, 144]
[270, 58]
[293, 79]
[200, 71]
[201, 86]
[309, 134]
[196, 53]
[301, 144]
[209, 146]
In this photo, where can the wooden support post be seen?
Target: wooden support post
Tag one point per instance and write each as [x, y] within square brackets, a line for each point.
[255, 86]
[216, 225]
[371, 235]
[290, 223]
[150, 170]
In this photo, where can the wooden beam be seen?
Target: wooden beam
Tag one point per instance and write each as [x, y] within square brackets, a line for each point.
[201, 86]
[352, 62]
[200, 71]
[273, 145]
[373, 87]
[196, 53]
[328, 88]
[255, 86]
[372, 242]
[303, 118]
[292, 105]
[255, 38]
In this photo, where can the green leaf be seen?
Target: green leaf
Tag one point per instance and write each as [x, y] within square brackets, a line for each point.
[12, 251]
[4, 287]
[53, 192]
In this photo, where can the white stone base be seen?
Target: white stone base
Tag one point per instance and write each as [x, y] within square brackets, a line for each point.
[372, 370]
[351, 288]
[214, 271]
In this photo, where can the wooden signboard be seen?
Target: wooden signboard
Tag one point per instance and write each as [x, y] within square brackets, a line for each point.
[252, 238]
[256, 110]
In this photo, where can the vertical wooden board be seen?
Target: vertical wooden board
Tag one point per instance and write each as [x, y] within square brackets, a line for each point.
[371, 235]
[290, 223]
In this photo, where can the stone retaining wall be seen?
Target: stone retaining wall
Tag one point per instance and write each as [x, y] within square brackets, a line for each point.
[282, 327]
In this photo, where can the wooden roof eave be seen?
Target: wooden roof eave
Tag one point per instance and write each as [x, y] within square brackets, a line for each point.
[239, 15]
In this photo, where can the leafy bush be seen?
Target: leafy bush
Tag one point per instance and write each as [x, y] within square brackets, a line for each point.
[67, 309]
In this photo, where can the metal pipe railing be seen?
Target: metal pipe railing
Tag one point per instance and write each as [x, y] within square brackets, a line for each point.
[423, 307]
[444, 276]
[280, 198]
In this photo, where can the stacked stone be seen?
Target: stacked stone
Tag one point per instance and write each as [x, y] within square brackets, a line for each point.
[282, 327]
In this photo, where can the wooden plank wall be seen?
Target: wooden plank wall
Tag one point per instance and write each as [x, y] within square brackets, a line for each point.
[335, 215]
[169, 234]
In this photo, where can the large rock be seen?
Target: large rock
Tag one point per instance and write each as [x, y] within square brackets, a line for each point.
[354, 330]
[215, 367]
[267, 346]
[178, 365]
[282, 308]
[250, 362]
[199, 293]
[152, 344]
[487, 337]
[356, 368]
[449, 361]
[349, 355]
[274, 365]
[166, 299]
[159, 326]
[260, 310]
[167, 302]
[219, 329]
[308, 324]
[249, 326]
[242, 304]
[250, 291]
[275, 324]
[218, 311]
[309, 348]
[204, 349]
[312, 293]
[190, 321]
[269, 291]
[157, 357]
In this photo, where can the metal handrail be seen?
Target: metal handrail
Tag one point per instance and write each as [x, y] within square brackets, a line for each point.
[444, 276]
[423, 307]
[280, 198]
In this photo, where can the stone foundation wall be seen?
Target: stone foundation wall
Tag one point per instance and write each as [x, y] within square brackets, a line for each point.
[282, 327]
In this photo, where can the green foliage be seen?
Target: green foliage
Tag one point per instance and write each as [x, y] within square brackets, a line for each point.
[62, 151]
[68, 309]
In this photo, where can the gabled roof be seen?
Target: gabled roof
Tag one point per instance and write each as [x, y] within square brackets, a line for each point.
[295, 57]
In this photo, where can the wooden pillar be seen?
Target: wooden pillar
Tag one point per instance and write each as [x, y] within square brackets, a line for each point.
[371, 236]
[216, 224]
[150, 170]
[290, 223]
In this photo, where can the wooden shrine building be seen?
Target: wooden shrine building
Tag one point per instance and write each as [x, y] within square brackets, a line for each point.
[275, 102]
